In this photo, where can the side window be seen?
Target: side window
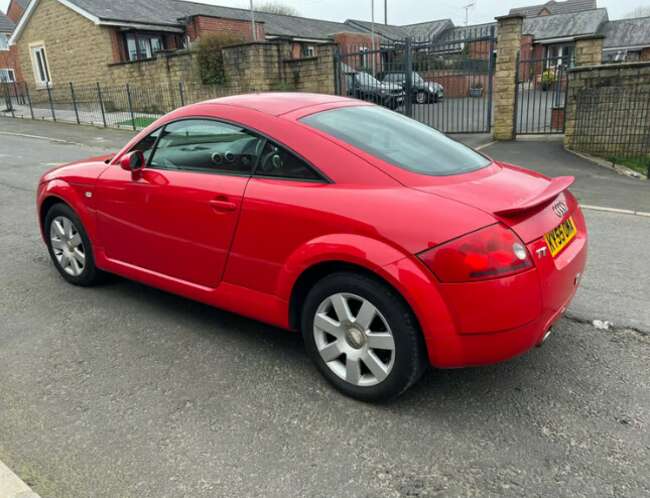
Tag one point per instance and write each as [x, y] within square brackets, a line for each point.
[147, 144]
[205, 145]
[279, 163]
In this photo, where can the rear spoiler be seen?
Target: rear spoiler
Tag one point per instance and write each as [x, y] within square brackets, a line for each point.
[556, 187]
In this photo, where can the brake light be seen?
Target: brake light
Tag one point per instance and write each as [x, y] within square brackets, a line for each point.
[491, 252]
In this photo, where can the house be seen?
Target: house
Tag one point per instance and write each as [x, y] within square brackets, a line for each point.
[555, 8]
[627, 40]
[7, 53]
[551, 29]
[89, 41]
[552, 37]
[76, 40]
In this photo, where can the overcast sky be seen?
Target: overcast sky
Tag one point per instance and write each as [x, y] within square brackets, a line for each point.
[411, 11]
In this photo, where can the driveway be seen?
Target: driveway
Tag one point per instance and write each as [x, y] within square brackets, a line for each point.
[594, 185]
[123, 390]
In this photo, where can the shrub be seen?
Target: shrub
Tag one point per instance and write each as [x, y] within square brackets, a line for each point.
[548, 79]
[210, 56]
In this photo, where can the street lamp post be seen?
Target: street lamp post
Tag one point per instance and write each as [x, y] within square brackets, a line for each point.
[372, 34]
[253, 22]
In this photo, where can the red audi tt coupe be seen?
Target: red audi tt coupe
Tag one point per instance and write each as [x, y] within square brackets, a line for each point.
[386, 244]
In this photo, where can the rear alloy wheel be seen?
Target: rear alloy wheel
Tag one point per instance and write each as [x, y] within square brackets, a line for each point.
[358, 349]
[70, 247]
[421, 97]
[362, 337]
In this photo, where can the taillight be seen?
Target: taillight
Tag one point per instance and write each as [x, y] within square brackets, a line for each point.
[491, 252]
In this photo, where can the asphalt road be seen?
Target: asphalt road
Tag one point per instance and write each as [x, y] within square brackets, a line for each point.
[123, 390]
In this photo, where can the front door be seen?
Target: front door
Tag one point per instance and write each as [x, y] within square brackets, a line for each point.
[177, 216]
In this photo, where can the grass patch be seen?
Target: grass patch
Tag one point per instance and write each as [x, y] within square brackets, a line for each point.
[139, 123]
[638, 164]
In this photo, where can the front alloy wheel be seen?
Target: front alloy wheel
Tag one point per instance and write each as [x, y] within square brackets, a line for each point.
[362, 336]
[67, 246]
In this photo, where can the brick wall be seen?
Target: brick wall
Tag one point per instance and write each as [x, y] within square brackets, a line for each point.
[508, 46]
[589, 50]
[608, 108]
[9, 60]
[644, 55]
[200, 25]
[15, 11]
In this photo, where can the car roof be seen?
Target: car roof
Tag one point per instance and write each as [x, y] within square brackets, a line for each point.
[277, 104]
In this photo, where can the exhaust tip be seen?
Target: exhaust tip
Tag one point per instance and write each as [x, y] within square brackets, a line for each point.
[546, 336]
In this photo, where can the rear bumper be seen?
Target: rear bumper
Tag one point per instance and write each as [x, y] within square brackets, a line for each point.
[495, 320]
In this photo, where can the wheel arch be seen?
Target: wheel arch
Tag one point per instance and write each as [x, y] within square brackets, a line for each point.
[47, 204]
[61, 192]
[313, 274]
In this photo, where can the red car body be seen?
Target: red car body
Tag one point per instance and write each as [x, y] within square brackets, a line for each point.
[253, 242]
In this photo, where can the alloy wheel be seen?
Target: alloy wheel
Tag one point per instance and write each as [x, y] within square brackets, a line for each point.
[354, 339]
[67, 246]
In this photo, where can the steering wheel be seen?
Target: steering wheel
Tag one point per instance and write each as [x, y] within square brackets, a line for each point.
[264, 163]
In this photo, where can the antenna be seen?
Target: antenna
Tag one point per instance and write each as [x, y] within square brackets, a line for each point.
[467, 7]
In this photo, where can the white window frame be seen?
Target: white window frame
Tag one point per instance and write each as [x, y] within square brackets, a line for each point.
[11, 74]
[4, 47]
[309, 51]
[42, 72]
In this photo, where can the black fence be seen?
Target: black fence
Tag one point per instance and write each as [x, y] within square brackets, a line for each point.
[445, 82]
[124, 106]
[541, 95]
[614, 123]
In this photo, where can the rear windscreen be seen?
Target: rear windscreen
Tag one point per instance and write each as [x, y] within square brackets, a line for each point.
[398, 140]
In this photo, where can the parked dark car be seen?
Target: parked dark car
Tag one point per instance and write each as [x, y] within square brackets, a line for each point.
[423, 92]
[363, 86]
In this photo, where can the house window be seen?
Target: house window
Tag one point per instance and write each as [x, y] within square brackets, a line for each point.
[363, 56]
[4, 41]
[308, 51]
[560, 55]
[40, 66]
[142, 46]
[7, 75]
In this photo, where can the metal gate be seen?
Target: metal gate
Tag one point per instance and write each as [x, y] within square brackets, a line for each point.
[451, 81]
[541, 95]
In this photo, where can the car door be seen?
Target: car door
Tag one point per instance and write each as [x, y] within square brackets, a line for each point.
[276, 218]
[177, 216]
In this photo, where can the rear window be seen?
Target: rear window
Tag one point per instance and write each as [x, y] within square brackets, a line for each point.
[398, 140]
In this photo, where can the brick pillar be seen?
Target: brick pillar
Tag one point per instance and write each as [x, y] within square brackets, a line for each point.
[589, 50]
[508, 44]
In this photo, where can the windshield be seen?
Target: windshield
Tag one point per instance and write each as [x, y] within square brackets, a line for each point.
[366, 79]
[398, 140]
[417, 79]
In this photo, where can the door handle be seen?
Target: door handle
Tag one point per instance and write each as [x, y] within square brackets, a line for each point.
[223, 205]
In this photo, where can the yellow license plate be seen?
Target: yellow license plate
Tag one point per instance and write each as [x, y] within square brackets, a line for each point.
[558, 238]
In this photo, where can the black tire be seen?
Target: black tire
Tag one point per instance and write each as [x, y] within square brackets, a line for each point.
[410, 359]
[421, 97]
[90, 275]
[435, 99]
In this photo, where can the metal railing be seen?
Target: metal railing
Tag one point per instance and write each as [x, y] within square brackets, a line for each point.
[614, 123]
[541, 95]
[124, 106]
[445, 82]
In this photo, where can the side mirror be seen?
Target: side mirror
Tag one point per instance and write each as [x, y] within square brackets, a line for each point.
[133, 161]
